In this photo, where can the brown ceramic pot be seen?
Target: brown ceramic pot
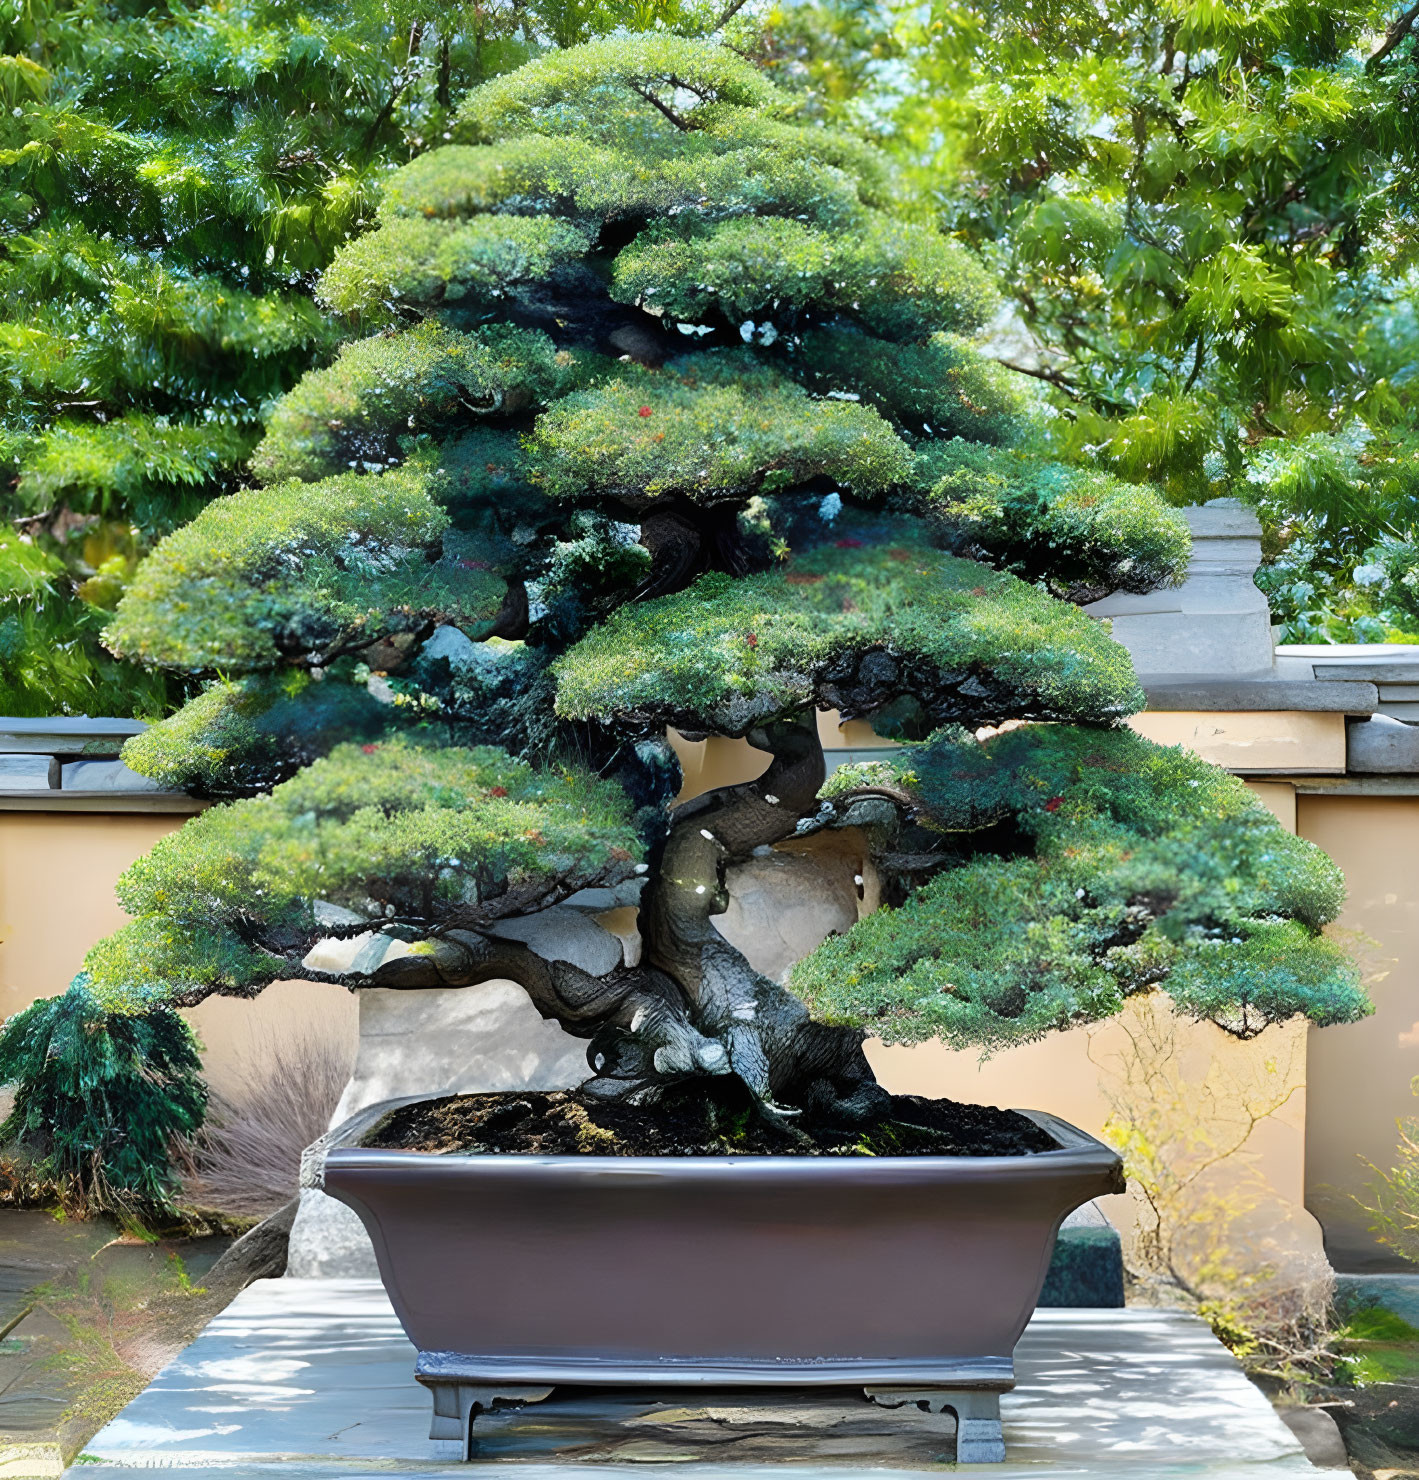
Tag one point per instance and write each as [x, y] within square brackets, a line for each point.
[911, 1277]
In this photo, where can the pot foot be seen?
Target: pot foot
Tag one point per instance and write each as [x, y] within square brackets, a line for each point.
[458, 1404]
[979, 1440]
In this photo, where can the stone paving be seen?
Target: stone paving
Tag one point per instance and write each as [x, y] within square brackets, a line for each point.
[311, 1379]
[87, 1314]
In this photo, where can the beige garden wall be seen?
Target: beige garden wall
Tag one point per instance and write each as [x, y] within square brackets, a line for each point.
[57, 876]
[1360, 1074]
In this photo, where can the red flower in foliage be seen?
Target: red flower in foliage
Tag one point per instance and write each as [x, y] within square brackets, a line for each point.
[1054, 804]
[849, 544]
[644, 411]
[498, 791]
[752, 640]
[369, 749]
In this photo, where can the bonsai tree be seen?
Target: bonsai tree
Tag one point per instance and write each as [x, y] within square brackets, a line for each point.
[660, 409]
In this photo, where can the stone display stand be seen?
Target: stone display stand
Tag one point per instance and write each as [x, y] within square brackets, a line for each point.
[458, 1404]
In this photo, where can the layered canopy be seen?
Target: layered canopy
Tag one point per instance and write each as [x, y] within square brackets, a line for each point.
[658, 409]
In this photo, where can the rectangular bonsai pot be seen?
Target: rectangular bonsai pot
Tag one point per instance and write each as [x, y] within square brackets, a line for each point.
[514, 1274]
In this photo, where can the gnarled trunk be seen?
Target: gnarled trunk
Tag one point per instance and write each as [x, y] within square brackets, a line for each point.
[694, 1006]
[770, 1040]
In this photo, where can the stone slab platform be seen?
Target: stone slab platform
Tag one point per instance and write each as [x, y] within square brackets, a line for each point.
[313, 1379]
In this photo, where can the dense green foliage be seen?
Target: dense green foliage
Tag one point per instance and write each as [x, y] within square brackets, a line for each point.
[378, 834]
[710, 435]
[239, 735]
[170, 180]
[1203, 219]
[356, 413]
[303, 572]
[854, 629]
[100, 1099]
[1127, 865]
[758, 431]
[1074, 529]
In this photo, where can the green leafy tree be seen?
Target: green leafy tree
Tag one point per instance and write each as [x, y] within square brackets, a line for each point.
[665, 415]
[1203, 219]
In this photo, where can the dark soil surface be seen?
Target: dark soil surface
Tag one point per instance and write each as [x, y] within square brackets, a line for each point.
[718, 1120]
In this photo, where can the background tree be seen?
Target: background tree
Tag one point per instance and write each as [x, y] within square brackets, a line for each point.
[666, 416]
[172, 178]
[1203, 219]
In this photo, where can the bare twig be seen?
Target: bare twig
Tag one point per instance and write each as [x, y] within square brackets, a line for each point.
[1054, 377]
[728, 14]
[668, 111]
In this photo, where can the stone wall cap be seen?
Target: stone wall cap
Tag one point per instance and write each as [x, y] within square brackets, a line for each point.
[1382, 745]
[67, 734]
[1363, 652]
[1201, 692]
[1385, 672]
[12, 800]
[1372, 662]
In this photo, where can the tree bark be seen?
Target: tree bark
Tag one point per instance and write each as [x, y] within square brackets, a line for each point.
[772, 1044]
[695, 1006]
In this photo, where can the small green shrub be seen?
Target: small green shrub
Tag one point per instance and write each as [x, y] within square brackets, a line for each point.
[101, 1098]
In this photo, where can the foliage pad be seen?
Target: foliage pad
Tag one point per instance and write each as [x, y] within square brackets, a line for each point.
[302, 573]
[369, 834]
[966, 641]
[242, 736]
[1123, 864]
[710, 435]
[1075, 530]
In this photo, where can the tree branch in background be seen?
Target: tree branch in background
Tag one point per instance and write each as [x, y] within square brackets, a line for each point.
[727, 14]
[1196, 363]
[1399, 29]
[1053, 377]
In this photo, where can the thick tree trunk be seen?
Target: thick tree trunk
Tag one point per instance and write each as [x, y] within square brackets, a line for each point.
[694, 1006]
[772, 1044]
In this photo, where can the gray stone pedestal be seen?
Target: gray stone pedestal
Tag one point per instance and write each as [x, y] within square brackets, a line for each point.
[1217, 622]
[311, 1380]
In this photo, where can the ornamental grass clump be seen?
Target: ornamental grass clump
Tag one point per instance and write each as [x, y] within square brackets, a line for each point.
[675, 419]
